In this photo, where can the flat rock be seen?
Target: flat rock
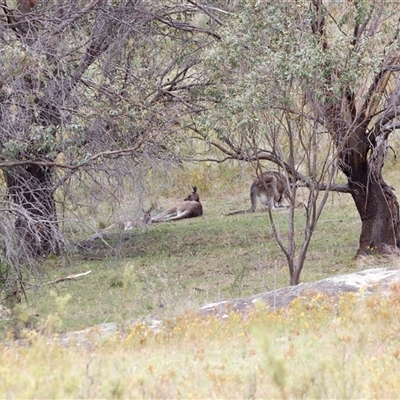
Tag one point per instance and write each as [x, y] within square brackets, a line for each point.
[368, 282]
[89, 335]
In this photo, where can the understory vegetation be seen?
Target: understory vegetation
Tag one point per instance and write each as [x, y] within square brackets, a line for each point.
[314, 349]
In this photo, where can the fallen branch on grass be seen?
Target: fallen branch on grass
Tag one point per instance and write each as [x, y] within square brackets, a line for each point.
[64, 278]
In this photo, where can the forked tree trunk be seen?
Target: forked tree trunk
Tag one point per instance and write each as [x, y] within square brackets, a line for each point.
[31, 192]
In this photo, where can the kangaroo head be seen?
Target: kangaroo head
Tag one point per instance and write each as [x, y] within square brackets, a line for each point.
[194, 196]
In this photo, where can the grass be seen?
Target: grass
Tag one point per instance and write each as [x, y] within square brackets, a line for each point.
[166, 269]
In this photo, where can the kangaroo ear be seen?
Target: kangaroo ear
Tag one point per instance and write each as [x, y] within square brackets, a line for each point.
[194, 189]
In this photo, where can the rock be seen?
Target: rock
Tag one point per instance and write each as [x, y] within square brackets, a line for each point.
[368, 282]
[5, 313]
[89, 335]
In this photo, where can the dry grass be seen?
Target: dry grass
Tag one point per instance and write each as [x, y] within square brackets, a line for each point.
[315, 349]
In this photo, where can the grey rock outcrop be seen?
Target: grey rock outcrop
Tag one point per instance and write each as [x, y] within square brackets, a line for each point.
[366, 282]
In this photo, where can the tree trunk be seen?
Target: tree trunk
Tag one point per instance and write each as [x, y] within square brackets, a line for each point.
[379, 213]
[31, 192]
[361, 159]
[295, 277]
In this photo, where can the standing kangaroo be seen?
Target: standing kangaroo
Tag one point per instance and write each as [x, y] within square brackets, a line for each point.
[271, 187]
[188, 208]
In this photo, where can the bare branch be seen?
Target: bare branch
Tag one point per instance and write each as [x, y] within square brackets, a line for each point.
[187, 27]
[205, 10]
[376, 89]
[73, 18]
[381, 127]
[334, 187]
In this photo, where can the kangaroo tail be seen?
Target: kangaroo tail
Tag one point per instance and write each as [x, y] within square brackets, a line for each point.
[250, 210]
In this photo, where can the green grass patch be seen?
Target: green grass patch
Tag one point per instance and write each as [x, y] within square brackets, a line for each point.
[166, 269]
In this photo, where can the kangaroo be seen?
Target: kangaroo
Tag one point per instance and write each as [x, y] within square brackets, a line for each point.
[130, 223]
[188, 208]
[271, 187]
[125, 224]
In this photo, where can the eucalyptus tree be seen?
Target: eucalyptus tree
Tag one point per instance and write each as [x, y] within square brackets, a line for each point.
[93, 87]
[312, 86]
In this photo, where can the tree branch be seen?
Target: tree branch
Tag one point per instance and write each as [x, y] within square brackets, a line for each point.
[381, 127]
[205, 11]
[377, 88]
[187, 27]
[73, 18]
[110, 153]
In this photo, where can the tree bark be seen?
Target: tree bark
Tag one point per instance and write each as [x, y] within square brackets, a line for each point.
[31, 192]
[379, 212]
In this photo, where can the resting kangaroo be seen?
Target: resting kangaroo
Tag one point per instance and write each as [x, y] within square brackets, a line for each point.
[271, 187]
[188, 208]
[124, 223]
[130, 223]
